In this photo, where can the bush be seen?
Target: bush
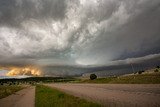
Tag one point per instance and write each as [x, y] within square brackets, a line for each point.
[93, 76]
[140, 72]
[156, 70]
[157, 67]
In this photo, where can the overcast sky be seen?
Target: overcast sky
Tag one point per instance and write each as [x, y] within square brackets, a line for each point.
[79, 32]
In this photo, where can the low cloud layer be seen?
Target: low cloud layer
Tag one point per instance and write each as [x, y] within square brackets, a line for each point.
[81, 32]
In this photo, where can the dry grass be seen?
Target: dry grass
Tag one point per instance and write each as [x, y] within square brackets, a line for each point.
[8, 90]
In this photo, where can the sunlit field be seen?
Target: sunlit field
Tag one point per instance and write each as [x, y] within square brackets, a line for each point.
[131, 79]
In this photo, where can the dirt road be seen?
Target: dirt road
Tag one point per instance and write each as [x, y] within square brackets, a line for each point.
[22, 98]
[115, 95]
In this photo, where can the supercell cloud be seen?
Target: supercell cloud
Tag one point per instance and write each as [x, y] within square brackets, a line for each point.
[79, 32]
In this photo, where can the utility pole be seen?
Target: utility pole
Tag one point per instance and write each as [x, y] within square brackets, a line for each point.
[132, 67]
[130, 61]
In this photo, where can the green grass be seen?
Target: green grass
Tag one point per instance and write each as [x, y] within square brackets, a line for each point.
[49, 97]
[8, 90]
[132, 79]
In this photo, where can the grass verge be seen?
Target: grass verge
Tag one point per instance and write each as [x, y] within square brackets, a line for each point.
[8, 90]
[49, 97]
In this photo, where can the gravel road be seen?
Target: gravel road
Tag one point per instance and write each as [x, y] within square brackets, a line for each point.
[22, 98]
[115, 95]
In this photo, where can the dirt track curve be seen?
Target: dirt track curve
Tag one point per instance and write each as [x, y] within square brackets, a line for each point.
[115, 95]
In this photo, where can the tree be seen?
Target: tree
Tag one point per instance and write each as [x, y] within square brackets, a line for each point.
[156, 70]
[158, 67]
[140, 72]
[93, 76]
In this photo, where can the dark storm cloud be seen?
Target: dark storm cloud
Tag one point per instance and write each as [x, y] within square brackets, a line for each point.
[135, 37]
[16, 62]
[81, 32]
[13, 12]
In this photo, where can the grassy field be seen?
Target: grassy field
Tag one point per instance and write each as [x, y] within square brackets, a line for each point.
[153, 78]
[8, 90]
[49, 97]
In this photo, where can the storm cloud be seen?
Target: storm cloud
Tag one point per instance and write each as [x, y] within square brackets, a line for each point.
[79, 32]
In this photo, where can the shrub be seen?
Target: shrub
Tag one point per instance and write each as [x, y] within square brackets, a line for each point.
[140, 72]
[156, 70]
[157, 67]
[93, 76]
